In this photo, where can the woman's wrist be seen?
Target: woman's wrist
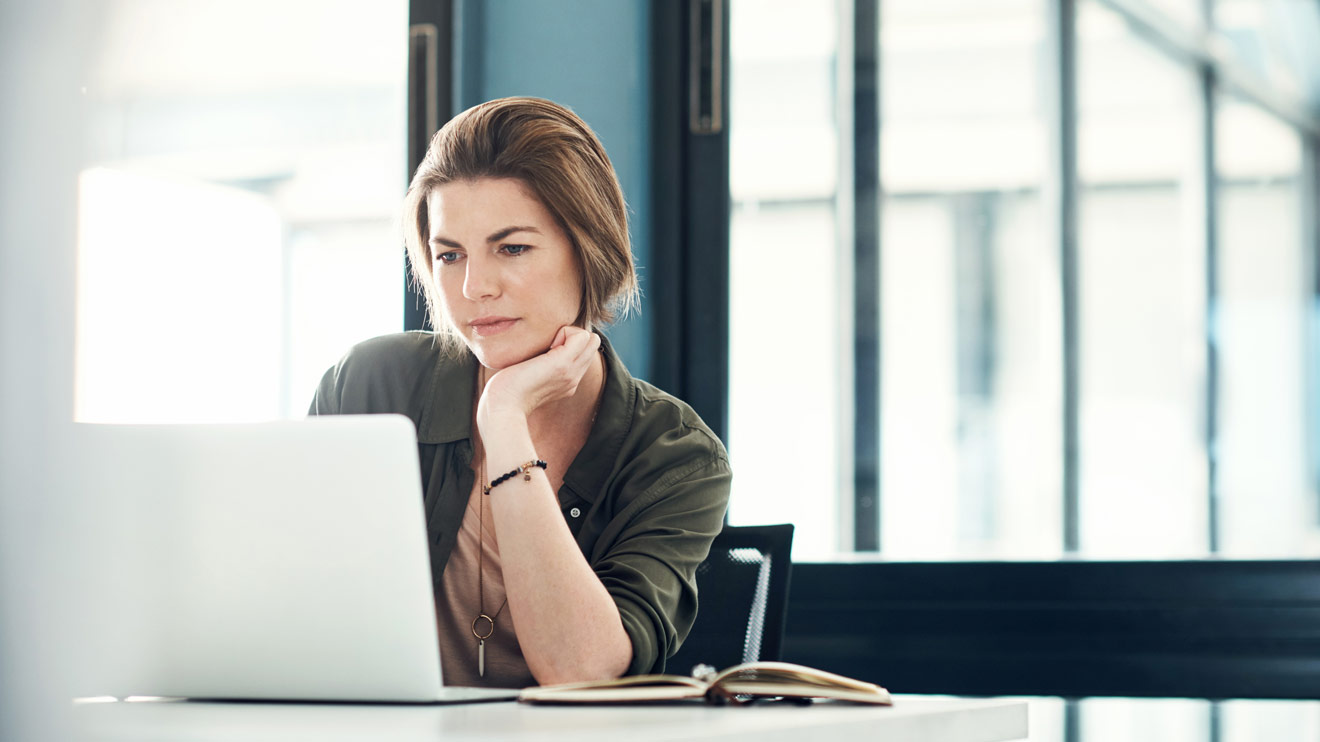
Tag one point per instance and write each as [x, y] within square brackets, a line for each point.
[506, 440]
[494, 420]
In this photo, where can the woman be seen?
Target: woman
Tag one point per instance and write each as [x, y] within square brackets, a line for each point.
[568, 504]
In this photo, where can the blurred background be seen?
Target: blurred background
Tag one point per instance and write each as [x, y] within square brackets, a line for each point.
[996, 279]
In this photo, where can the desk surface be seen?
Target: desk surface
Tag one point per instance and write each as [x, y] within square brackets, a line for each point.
[911, 719]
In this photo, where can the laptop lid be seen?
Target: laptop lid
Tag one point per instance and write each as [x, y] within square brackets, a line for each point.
[281, 560]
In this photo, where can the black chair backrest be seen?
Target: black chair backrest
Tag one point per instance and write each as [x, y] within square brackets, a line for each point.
[742, 593]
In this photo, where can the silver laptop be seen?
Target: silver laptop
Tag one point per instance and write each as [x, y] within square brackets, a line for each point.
[279, 561]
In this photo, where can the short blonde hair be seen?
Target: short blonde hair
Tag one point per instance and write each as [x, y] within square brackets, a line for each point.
[559, 159]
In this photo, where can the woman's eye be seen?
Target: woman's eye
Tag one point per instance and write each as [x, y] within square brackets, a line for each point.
[515, 249]
[446, 257]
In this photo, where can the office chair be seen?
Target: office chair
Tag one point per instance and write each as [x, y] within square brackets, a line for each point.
[742, 589]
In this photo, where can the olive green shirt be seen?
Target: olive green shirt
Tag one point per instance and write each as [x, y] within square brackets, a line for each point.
[644, 498]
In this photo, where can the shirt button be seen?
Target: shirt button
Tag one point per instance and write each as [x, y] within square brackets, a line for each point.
[575, 512]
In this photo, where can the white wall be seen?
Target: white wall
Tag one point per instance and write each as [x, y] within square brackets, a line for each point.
[42, 53]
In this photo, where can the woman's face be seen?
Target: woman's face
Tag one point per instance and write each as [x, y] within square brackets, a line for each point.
[507, 275]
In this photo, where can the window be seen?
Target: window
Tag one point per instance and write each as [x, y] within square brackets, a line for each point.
[1020, 141]
[1142, 297]
[238, 227]
[786, 269]
[969, 336]
[1193, 336]
[1264, 320]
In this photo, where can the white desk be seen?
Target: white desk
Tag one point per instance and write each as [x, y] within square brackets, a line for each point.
[910, 719]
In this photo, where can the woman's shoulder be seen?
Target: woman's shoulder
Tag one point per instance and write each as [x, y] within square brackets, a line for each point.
[649, 423]
[668, 458]
[663, 422]
[397, 350]
[389, 373]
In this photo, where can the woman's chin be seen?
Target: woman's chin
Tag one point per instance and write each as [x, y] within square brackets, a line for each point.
[497, 356]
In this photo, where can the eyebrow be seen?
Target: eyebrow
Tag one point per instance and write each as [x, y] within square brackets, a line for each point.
[494, 237]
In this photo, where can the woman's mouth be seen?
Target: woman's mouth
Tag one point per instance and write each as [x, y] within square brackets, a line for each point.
[487, 326]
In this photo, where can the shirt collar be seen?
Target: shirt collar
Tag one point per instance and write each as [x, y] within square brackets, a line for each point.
[447, 416]
[596, 461]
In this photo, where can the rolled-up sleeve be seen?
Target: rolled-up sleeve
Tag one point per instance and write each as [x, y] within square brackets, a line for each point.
[650, 565]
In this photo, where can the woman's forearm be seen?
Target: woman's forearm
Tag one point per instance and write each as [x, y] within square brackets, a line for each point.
[568, 624]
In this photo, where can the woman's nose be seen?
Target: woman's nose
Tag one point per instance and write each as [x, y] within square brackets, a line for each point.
[480, 281]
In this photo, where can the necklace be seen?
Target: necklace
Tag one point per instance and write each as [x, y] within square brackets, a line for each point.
[483, 626]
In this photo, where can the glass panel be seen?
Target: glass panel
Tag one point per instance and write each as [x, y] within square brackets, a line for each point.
[970, 354]
[238, 225]
[1268, 502]
[1185, 13]
[784, 354]
[1045, 720]
[1142, 298]
[1175, 720]
[1251, 721]
[1278, 42]
[1144, 720]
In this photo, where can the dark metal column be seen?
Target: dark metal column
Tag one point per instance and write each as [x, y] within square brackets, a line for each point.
[1310, 201]
[1209, 209]
[866, 275]
[689, 271]
[1062, 35]
[430, 105]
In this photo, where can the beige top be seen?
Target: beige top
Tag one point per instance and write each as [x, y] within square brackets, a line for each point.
[457, 604]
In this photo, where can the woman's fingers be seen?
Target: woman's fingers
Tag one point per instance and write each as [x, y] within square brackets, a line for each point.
[583, 357]
[560, 338]
[589, 350]
[572, 359]
[551, 376]
[578, 343]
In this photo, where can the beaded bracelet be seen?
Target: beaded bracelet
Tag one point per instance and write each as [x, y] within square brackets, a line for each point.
[525, 470]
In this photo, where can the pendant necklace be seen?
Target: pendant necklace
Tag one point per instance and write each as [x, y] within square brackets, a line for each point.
[483, 626]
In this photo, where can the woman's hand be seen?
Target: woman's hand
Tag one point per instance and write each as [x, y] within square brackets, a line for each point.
[549, 377]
